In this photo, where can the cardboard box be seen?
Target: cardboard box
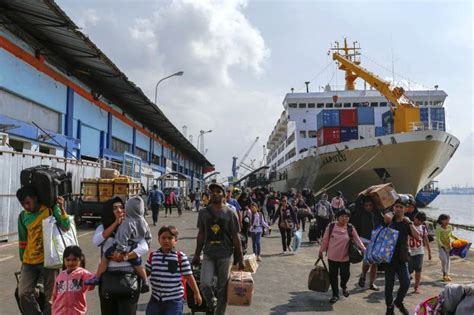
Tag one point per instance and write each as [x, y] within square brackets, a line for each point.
[384, 196]
[240, 288]
[109, 173]
[250, 264]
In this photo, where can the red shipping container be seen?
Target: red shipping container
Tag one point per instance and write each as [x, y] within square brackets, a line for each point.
[328, 135]
[348, 117]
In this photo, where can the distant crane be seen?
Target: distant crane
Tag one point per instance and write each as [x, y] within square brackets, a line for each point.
[235, 167]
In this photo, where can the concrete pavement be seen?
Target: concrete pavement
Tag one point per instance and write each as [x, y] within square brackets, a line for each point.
[280, 282]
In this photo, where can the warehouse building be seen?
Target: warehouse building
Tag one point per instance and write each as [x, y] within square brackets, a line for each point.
[61, 95]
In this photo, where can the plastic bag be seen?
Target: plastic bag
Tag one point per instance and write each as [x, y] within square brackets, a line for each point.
[296, 242]
[55, 240]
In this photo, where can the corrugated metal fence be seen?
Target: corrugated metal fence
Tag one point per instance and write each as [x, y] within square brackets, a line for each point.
[11, 164]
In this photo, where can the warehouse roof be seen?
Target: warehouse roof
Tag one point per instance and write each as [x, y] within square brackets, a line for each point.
[43, 24]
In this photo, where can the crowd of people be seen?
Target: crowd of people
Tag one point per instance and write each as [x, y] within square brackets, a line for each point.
[227, 219]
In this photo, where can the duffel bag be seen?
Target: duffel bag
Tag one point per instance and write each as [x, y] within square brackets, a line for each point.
[318, 279]
[49, 182]
[381, 246]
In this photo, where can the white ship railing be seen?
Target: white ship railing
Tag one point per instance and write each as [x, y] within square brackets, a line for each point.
[434, 125]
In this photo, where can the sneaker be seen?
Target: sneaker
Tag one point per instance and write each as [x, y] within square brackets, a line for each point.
[390, 310]
[154, 223]
[345, 292]
[402, 308]
[290, 249]
[449, 278]
[373, 287]
[145, 287]
[333, 299]
[259, 258]
[362, 281]
[284, 253]
[92, 281]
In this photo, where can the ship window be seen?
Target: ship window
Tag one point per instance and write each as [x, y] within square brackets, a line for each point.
[302, 105]
[292, 105]
[320, 105]
[383, 104]
[346, 105]
[16, 145]
[311, 105]
[338, 105]
[438, 103]
[312, 133]
[304, 121]
[329, 105]
[302, 133]
[426, 103]
[419, 103]
[374, 104]
[355, 104]
[290, 139]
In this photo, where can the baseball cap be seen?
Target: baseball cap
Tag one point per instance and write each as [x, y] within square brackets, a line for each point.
[218, 186]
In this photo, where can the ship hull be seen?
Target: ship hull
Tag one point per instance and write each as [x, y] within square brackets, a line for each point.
[408, 160]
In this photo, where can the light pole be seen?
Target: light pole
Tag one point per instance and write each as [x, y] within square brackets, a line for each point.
[200, 140]
[180, 73]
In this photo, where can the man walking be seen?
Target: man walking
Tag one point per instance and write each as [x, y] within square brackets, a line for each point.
[218, 238]
[30, 241]
[155, 200]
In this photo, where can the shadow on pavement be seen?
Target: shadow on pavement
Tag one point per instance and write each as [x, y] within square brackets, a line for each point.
[304, 301]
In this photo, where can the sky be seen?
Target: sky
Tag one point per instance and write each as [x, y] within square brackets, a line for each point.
[240, 58]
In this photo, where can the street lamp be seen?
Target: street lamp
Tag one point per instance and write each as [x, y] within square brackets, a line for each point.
[177, 74]
[200, 140]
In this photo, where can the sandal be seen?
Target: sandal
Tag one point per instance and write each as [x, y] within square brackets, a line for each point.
[333, 299]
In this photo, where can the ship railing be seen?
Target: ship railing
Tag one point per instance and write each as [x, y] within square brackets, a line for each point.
[423, 125]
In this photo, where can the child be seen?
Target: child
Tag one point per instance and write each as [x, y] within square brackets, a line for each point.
[69, 294]
[257, 225]
[416, 248]
[166, 268]
[129, 233]
[444, 234]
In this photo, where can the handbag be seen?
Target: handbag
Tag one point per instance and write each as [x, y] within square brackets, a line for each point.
[285, 224]
[55, 241]
[355, 254]
[318, 279]
[119, 284]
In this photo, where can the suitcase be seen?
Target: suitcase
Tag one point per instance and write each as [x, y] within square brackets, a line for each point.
[49, 182]
[190, 295]
[313, 232]
[318, 279]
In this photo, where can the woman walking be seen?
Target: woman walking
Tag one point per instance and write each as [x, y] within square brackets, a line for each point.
[336, 244]
[257, 225]
[287, 220]
[112, 216]
[444, 235]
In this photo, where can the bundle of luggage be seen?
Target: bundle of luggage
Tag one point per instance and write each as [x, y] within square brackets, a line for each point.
[460, 247]
[240, 288]
[455, 299]
[112, 184]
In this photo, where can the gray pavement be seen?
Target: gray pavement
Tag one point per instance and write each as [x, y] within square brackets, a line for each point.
[280, 281]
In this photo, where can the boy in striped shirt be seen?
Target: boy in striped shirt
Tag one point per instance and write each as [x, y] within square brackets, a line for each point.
[166, 267]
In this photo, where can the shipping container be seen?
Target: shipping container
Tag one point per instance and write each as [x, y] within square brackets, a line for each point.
[366, 131]
[328, 135]
[380, 131]
[348, 118]
[349, 133]
[365, 115]
[378, 114]
[328, 118]
[405, 118]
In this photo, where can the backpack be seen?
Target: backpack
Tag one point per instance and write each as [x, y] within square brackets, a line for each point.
[322, 211]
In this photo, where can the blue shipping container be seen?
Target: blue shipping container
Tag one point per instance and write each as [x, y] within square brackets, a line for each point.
[424, 114]
[365, 115]
[387, 119]
[328, 118]
[349, 133]
[380, 131]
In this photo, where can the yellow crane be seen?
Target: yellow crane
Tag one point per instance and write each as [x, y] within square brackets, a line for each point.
[405, 114]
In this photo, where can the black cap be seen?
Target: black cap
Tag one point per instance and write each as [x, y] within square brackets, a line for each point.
[216, 185]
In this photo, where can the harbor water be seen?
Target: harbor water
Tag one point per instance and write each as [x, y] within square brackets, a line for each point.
[459, 207]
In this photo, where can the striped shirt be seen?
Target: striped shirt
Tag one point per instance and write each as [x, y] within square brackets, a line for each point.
[166, 274]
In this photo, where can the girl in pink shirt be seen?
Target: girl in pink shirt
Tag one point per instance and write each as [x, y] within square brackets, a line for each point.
[336, 244]
[69, 294]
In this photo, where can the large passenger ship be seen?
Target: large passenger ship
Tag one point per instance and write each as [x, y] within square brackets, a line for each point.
[346, 140]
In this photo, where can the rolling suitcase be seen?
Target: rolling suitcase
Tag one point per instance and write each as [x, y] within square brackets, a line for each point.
[49, 182]
[313, 232]
[190, 296]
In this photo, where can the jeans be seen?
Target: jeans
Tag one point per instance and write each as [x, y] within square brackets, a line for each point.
[155, 210]
[198, 204]
[174, 307]
[285, 238]
[29, 278]
[256, 242]
[220, 268]
[337, 268]
[401, 270]
[445, 261]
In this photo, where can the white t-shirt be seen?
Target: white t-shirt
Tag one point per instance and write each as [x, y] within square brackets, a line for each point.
[416, 246]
